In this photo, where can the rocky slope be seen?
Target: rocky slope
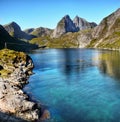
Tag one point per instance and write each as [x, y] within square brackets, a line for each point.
[29, 30]
[15, 106]
[39, 32]
[107, 33]
[82, 24]
[80, 33]
[67, 25]
[64, 25]
[14, 30]
[69, 40]
[13, 43]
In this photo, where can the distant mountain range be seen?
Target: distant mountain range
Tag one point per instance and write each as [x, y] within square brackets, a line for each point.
[70, 33]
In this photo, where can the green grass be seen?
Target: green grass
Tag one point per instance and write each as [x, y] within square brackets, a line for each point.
[92, 43]
[68, 40]
[8, 58]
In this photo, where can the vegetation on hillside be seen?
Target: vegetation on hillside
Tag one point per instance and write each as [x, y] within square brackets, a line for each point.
[68, 40]
[8, 59]
[13, 43]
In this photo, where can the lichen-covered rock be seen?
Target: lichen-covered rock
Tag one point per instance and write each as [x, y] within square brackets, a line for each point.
[15, 70]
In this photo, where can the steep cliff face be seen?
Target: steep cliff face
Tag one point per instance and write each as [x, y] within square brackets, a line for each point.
[14, 30]
[107, 33]
[78, 33]
[64, 25]
[67, 25]
[107, 25]
[84, 38]
[82, 24]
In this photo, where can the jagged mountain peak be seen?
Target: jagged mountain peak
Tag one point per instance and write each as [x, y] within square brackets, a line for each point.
[66, 19]
[64, 25]
[15, 31]
[67, 25]
[77, 17]
[12, 26]
[12, 23]
[66, 16]
[82, 23]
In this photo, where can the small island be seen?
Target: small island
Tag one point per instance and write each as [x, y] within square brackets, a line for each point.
[15, 105]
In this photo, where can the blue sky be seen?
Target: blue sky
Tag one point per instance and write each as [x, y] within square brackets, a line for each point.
[47, 13]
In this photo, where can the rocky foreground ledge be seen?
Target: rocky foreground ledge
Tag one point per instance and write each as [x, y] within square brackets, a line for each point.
[15, 106]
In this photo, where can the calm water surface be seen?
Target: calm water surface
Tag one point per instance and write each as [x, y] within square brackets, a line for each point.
[77, 85]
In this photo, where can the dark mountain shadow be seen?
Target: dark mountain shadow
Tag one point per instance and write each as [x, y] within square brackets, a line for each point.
[14, 43]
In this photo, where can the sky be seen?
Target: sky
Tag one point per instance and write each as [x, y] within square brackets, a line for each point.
[47, 13]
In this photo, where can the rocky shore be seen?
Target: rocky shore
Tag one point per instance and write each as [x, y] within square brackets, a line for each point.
[15, 106]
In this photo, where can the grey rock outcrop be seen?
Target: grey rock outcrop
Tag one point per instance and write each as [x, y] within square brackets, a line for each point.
[84, 38]
[64, 25]
[67, 25]
[106, 25]
[107, 33]
[82, 24]
[17, 67]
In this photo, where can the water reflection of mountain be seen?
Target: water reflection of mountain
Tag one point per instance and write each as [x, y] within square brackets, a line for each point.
[75, 62]
[109, 63]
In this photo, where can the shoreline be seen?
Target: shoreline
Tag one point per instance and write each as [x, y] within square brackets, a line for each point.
[15, 104]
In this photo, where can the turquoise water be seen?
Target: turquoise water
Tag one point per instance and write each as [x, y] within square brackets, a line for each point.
[77, 85]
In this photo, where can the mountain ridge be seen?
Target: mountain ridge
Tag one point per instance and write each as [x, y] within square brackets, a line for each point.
[66, 24]
[107, 33]
[13, 43]
[79, 33]
[14, 30]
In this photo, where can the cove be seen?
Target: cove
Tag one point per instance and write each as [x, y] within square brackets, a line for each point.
[77, 85]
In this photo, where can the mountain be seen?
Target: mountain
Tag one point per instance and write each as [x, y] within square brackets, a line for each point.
[29, 30]
[64, 25]
[67, 25]
[82, 24]
[13, 43]
[107, 33]
[14, 30]
[78, 33]
[39, 32]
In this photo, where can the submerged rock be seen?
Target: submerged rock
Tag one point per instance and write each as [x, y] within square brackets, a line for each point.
[16, 67]
[45, 115]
